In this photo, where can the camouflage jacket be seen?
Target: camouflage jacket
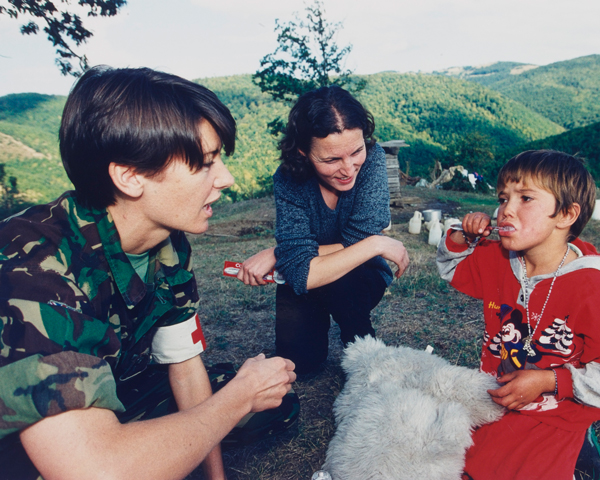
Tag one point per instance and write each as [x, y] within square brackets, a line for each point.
[75, 318]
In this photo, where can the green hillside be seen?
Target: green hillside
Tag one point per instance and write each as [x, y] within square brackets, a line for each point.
[583, 142]
[568, 93]
[432, 113]
[487, 75]
[29, 123]
[255, 157]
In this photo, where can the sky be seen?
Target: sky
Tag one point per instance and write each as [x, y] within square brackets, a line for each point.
[207, 38]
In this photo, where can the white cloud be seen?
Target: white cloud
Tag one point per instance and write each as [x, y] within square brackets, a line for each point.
[198, 38]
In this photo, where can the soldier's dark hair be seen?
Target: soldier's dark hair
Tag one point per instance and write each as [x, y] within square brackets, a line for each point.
[563, 175]
[318, 114]
[135, 117]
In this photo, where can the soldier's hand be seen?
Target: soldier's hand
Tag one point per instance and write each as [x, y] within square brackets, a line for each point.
[269, 380]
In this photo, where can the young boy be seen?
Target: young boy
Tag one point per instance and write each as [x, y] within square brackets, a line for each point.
[539, 285]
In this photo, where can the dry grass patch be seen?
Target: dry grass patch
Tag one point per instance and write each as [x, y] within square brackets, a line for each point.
[419, 309]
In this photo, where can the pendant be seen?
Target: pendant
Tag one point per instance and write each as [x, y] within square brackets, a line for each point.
[528, 348]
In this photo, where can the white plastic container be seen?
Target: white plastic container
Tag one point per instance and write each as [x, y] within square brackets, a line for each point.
[449, 222]
[596, 214]
[435, 233]
[429, 215]
[414, 224]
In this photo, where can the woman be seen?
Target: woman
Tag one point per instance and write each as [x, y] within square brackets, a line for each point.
[332, 203]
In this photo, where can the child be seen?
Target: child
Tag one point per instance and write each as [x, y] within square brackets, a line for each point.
[539, 286]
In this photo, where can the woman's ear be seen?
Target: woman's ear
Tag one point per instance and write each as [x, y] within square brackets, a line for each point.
[126, 179]
[570, 216]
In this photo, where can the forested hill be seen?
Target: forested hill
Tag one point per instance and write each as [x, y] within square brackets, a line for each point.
[29, 124]
[432, 113]
[583, 142]
[429, 112]
[567, 93]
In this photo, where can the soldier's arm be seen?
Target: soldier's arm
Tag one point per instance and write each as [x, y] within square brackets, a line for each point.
[91, 443]
[191, 386]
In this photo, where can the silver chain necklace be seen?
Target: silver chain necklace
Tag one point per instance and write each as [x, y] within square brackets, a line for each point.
[525, 287]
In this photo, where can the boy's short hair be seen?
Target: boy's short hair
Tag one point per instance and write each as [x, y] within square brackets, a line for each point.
[136, 117]
[563, 175]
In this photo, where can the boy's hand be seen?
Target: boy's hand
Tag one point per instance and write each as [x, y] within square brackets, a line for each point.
[474, 225]
[522, 387]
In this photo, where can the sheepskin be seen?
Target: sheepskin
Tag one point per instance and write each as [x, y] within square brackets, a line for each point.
[405, 414]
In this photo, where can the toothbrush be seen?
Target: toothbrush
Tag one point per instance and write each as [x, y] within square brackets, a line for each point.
[458, 226]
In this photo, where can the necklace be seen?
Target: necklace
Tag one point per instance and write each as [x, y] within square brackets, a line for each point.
[525, 287]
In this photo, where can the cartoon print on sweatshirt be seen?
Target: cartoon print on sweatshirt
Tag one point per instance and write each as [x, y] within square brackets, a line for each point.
[558, 336]
[507, 344]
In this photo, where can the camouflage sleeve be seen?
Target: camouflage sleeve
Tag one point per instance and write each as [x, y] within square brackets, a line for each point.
[39, 386]
[176, 259]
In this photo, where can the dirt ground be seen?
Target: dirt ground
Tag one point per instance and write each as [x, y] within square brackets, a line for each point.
[417, 310]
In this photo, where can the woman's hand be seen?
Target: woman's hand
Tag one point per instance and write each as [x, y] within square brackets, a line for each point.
[394, 251]
[256, 267]
[523, 387]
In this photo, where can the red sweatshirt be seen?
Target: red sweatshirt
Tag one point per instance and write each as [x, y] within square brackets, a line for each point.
[568, 332]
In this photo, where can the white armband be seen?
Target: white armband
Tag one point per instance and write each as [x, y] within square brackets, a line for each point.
[177, 343]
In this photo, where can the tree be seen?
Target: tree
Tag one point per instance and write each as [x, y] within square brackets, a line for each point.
[65, 29]
[474, 151]
[306, 58]
[8, 190]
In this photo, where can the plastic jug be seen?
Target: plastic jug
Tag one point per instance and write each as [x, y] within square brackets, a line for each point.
[596, 213]
[435, 233]
[414, 224]
[449, 222]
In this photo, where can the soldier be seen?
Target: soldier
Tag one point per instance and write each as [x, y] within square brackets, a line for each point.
[97, 285]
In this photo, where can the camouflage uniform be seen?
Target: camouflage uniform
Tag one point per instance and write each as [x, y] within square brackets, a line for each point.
[78, 323]
[76, 320]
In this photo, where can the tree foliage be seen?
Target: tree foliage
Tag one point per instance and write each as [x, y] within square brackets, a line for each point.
[434, 114]
[64, 28]
[567, 92]
[583, 142]
[8, 187]
[307, 57]
[474, 151]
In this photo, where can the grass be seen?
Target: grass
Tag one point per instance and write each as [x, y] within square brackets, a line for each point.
[419, 309]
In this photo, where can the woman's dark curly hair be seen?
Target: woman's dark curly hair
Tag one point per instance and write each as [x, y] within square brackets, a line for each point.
[318, 114]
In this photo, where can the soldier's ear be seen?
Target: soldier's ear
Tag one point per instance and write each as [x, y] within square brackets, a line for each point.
[126, 179]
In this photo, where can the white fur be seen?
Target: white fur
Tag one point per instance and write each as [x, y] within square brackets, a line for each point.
[405, 414]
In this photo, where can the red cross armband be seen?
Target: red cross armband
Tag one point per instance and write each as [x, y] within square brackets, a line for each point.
[177, 343]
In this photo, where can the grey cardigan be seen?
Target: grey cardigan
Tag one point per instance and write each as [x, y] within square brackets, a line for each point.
[304, 221]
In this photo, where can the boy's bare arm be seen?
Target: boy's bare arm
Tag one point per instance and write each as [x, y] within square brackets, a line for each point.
[91, 443]
[522, 387]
